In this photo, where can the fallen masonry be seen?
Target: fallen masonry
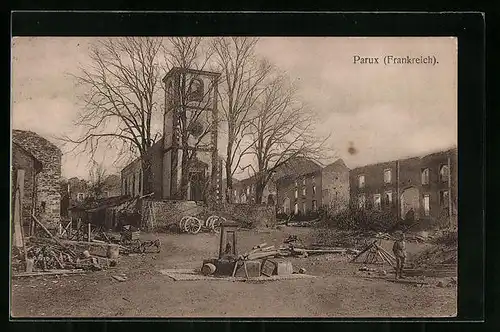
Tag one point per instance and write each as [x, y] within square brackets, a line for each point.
[53, 255]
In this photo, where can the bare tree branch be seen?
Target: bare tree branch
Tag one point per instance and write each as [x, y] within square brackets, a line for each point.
[242, 76]
[121, 93]
[282, 130]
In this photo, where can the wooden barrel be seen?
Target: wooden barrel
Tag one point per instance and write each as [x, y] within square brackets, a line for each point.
[113, 252]
[208, 269]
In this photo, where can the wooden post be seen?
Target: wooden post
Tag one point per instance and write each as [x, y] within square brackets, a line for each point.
[89, 232]
[18, 206]
[222, 239]
[78, 226]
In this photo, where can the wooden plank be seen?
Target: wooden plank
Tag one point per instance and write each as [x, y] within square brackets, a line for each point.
[57, 260]
[84, 243]
[364, 250]
[389, 259]
[325, 251]
[262, 254]
[88, 232]
[47, 231]
[18, 237]
[386, 252]
[65, 228]
[45, 273]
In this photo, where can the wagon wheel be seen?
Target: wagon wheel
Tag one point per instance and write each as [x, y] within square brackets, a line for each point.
[210, 222]
[193, 225]
[214, 223]
[182, 223]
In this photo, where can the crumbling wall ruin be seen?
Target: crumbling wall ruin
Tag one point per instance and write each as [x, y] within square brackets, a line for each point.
[48, 198]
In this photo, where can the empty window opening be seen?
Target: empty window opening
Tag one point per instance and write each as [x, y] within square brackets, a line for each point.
[425, 176]
[361, 181]
[387, 176]
[427, 207]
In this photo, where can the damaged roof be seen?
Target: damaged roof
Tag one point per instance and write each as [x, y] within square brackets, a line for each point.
[38, 164]
[33, 143]
[297, 166]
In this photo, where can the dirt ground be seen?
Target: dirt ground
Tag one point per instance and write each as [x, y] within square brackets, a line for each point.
[338, 290]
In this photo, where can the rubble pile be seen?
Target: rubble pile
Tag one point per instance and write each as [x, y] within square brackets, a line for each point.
[293, 246]
[346, 239]
[437, 255]
[54, 255]
[444, 251]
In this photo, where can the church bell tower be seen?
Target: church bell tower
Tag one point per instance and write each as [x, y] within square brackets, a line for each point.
[190, 135]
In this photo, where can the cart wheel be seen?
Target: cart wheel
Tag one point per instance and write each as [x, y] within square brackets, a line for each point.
[211, 222]
[217, 224]
[182, 223]
[185, 227]
[193, 225]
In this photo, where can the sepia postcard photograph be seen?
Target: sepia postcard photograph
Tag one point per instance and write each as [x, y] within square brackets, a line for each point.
[195, 177]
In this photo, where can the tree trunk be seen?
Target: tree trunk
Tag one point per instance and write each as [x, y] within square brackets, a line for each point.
[147, 175]
[259, 189]
[229, 182]
[184, 174]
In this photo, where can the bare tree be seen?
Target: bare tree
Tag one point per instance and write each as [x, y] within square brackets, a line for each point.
[242, 75]
[123, 95]
[97, 182]
[122, 90]
[189, 53]
[282, 130]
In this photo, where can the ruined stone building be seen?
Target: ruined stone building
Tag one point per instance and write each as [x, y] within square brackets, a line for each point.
[78, 190]
[23, 160]
[420, 188]
[244, 192]
[41, 160]
[335, 187]
[303, 186]
[190, 124]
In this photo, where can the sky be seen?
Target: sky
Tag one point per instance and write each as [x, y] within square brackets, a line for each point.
[385, 112]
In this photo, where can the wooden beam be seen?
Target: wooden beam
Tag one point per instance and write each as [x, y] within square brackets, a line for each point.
[18, 240]
[45, 273]
[364, 250]
[47, 231]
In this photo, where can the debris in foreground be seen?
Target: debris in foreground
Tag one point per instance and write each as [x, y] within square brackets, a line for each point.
[45, 273]
[194, 275]
[120, 278]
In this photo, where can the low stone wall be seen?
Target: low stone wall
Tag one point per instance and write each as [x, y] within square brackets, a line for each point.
[249, 215]
[170, 212]
[167, 213]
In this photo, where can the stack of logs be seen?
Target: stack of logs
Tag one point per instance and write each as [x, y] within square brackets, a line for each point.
[263, 251]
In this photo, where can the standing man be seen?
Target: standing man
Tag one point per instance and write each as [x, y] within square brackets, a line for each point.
[399, 250]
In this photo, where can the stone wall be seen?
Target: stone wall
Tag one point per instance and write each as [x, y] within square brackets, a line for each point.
[300, 194]
[167, 212]
[335, 185]
[21, 159]
[48, 197]
[406, 174]
[249, 215]
[170, 212]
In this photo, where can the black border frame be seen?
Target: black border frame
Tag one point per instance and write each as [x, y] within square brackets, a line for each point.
[468, 27]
